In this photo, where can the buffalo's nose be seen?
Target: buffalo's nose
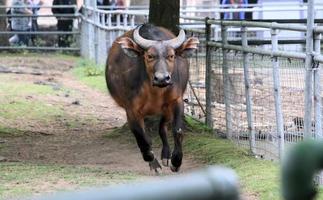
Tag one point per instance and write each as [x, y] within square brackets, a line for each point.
[162, 78]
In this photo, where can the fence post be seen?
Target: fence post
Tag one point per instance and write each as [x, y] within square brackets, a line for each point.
[226, 82]
[317, 89]
[90, 44]
[309, 70]
[208, 75]
[251, 130]
[96, 38]
[277, 93]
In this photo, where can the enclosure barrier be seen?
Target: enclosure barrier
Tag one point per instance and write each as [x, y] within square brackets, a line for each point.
[249, 90]
[46, 37]
[211, 183]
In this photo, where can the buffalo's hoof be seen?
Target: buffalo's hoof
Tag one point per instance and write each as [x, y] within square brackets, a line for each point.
[165, 162]
[175, 169]
[154, 165]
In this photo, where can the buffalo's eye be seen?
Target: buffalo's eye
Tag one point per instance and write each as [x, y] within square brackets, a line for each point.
[170, 57]
[150, 57]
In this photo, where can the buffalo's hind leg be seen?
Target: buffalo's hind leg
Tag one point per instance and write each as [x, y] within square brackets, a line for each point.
[177, 154]
[165, 153]
[136, 125]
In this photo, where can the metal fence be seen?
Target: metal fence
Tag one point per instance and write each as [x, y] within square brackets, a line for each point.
[248, 81]
[252, 94]
[47, 35]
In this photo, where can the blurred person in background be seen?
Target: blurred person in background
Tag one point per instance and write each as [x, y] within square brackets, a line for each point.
[34, 5]
[64, 23]
[20, 24]
[234, 4]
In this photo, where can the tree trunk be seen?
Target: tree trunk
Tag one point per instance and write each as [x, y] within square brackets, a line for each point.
[3, 24]
[165, 13]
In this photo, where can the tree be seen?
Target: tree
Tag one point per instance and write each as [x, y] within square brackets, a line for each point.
[165, 13]
[3, 24]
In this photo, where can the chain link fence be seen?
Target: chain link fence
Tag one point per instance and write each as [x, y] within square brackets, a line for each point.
[247, 80]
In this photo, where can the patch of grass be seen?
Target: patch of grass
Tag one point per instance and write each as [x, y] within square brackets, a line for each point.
[38, 54]
[196, 126]
[8, 131]
[18, 109]
[90, 74]
[15, 88]
[17, 103]
[256, 176]
[21, 179]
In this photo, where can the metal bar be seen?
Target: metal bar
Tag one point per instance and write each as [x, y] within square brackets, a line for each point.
[260, 51]
[118, 19]
[251, 130]
[318, 58]
[39, 48]
[226, 83]
[125, 20]
[262, 42]
[208, 79]
[41, 32]
[277, 95]
[317, 89]
[211, 183]
[40, 15]
[309, 71]
[272, 25]
[132, 21]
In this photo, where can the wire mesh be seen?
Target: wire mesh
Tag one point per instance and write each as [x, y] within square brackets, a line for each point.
[195, 94]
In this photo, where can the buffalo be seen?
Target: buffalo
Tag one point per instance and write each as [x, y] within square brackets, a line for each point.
[147, 72]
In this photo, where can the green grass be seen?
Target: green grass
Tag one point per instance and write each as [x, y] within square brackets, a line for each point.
[17, 102]
[8, 131]
[13, 88]
[90, 74]
[24, 110]
[256, 176]
[23, 179]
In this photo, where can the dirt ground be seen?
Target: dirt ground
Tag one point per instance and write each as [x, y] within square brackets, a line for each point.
[93, 114]
[80, 136]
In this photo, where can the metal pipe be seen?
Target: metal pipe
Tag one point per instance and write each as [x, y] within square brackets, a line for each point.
[41, 32]
[208, 77]
[317, 89]
[211, 183]
[272, 25]
[277, 94]
[255, 50]
[226, 82]
[309, 71]
[245, 60]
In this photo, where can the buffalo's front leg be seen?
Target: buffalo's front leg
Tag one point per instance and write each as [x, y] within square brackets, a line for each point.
[177, 154]
[165, 153]
[136, 125]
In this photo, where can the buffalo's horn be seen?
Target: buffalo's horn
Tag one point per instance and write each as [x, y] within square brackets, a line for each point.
[178, 41]
[142, 42]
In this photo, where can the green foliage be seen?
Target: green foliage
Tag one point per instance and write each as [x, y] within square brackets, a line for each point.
[257, 176]
[21, 179]
[90, 74]
[196, 126]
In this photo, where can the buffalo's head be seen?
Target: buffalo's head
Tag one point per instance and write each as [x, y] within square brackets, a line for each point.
[159, 55]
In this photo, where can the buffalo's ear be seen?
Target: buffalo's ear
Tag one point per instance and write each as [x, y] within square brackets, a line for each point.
[129, 47]
[188, 47]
